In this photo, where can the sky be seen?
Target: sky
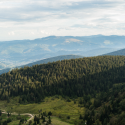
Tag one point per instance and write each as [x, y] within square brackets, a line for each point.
[31, 19]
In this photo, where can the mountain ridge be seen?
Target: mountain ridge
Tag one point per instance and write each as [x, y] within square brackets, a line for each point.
[116, 53]
[21, 52]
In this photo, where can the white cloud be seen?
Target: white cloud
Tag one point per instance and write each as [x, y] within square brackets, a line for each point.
[43, 32]
[54, 45]
[28, 51]
[32, 33]
[11, 33]
[4, 52]
[30, 19]
[107, 42]
[72, 40]
[45, 47]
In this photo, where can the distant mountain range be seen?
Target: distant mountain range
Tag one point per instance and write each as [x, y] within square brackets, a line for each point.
[22, 52]
[53, 59]
[116, 53]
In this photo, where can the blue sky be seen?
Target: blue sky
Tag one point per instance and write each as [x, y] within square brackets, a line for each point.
[30, 19]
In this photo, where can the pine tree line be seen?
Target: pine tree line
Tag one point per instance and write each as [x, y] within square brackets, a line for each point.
[73, 78]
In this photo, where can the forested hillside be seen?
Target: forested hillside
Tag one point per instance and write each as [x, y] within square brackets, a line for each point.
[95, 78]
[75, 77]
[43, 61]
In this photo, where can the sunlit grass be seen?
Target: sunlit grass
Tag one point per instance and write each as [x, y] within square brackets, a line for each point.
[58, 106]
[57, 121]
[14, 122]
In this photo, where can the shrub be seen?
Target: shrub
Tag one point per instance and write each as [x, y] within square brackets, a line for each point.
[68, 117]
[49, 113]
[9, 120]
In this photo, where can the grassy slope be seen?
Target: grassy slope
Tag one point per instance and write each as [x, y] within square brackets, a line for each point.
[14, 122]
[55, 121]
[14, 117]
[58, 106]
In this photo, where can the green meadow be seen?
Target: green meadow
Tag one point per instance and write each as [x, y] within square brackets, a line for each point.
[60, 108]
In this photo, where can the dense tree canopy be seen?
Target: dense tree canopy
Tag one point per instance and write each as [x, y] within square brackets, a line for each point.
[75, 77]
[101, 79]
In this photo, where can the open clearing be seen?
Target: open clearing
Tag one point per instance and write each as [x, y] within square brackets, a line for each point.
[58, 106]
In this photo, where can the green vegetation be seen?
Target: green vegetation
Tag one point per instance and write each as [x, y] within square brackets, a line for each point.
[59, 107]
[52, 59]
[8, 119]
[72, 78]
[77, 91]
[107, 108]
[57, 121]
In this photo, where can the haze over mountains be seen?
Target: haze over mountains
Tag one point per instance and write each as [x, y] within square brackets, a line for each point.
[52, 59]
[118, 52]
[21, 52]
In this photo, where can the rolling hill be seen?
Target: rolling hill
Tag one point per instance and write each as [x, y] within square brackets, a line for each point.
[53, 59]
[116, 53]
[98, 83]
